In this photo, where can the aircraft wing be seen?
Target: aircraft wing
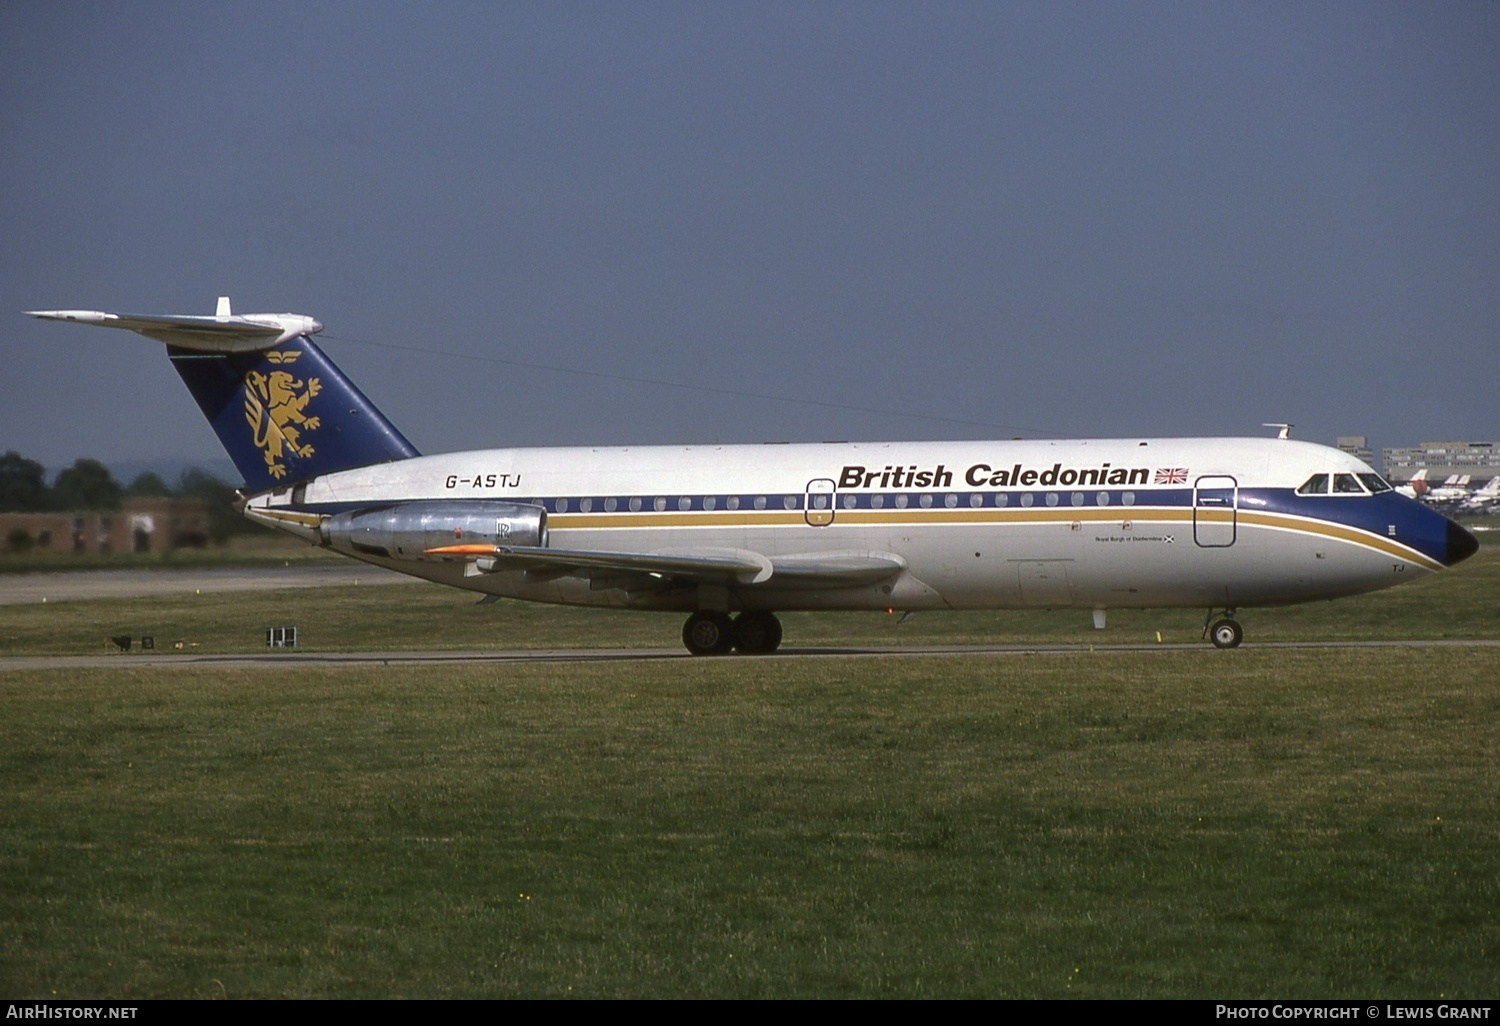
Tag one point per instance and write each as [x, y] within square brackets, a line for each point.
[709, 566]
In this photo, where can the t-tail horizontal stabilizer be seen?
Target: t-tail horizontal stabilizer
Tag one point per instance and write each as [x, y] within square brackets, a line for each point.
[282, 410]
[224, 332]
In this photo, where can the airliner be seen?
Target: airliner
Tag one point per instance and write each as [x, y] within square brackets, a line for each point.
[1417, 487]
[734, 534]
[1452, 491]
[1484, 498]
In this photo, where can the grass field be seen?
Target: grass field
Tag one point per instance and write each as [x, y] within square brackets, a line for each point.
[1458, 603]
[1179, 822]
[1154, 824]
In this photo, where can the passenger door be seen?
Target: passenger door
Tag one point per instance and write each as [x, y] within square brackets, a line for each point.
[1216, 500]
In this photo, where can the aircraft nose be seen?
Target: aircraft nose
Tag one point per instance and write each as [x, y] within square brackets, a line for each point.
[1461, 544]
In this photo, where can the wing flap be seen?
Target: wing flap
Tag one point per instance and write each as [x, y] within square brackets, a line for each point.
[702, 566]
[710, 566]
[836, 569]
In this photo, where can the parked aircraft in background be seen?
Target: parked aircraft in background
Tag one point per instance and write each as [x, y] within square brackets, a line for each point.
[1486, 498]
[1416, 487]
[733, 534]
[1453, 490]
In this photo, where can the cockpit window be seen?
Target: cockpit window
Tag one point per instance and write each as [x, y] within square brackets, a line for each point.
[1315, 485]
[1347, 484]
[1375, 483]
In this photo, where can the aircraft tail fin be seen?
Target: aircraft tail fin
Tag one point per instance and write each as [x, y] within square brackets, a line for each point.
[287, 414]
[280, 407]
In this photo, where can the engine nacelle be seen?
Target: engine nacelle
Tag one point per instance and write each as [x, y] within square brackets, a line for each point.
[408, 529]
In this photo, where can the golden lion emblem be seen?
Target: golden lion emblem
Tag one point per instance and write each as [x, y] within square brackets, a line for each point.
[274, 408]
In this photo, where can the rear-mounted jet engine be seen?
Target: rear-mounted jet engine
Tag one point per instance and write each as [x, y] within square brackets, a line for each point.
[408, 529]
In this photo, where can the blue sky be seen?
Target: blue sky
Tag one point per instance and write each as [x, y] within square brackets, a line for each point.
[921, 220]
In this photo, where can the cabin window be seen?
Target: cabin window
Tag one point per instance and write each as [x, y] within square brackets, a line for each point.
[1347, 484]
[850, 501]
[685, 503]
[877, 501]
[1375, 483]
[760, 502]
[925, 500]
[1128, 498]
[1102, 498]
[733, 502]
[1315, 485]
[1027, 498]
[976, 499]
[1002, 499]
[561, 505]
[635, 504]
[709, 502]
[660, 503]
[790, 502]
[610, 504]
[1052, 498]
[586, 505]
[1077, 498]
[901, 501]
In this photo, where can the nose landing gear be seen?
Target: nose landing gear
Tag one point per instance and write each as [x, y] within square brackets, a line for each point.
[1226, 632]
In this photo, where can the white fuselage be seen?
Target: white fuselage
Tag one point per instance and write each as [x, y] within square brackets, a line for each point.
[966, 525]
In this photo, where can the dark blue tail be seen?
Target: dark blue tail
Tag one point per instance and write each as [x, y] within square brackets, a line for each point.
[287, 413]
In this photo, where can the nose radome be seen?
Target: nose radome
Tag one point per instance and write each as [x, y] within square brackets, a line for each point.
[1461, 544]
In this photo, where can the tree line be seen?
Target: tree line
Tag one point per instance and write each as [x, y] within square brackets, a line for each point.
[88, 485]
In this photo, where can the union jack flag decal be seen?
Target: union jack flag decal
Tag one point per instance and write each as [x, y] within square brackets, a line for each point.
[1172, 475]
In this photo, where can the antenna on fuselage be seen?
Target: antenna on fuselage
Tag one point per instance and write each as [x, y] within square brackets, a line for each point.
[1283, 431]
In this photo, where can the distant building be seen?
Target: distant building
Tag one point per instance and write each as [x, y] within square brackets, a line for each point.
[1358, 447]
[140, 525]
[1480, 460]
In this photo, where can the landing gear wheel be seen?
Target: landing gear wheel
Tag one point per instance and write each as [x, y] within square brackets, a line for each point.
[1227, 634]
[757, 633]
[708, 634]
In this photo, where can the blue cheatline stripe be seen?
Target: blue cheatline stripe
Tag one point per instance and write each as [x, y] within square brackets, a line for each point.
[887, 501]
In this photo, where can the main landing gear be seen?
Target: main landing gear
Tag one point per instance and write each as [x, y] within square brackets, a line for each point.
[1225, 632]
[717, 634]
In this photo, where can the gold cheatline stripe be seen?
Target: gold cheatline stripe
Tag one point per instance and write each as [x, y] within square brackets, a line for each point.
[1343, 533]
[305, 519]
[902, 517]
